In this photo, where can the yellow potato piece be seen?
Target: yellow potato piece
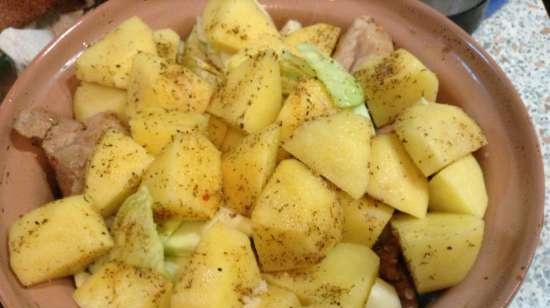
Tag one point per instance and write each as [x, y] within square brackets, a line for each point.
[459, 188]
[91, 99]
[167, 42]
[42, 247]
[439, 249]
[321, 35]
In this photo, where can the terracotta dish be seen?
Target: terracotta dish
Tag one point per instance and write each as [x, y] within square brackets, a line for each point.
[468, 76]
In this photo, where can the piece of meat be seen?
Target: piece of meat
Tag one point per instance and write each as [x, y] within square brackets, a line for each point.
[67, 143]
[363, 40]
[393, 268]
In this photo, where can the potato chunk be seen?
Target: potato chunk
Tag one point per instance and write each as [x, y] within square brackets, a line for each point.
[108, 62]
[231, 25]
[343, 279]
[216, 131]
[42, 247]
[436, 135]
[338, 147]
[276, 297]
[395, 180]
[251, 97]
[221, 272]
[364, 219]
[120, 285]
[393, 83]
[308, 101]
[459, 188]
[439, 249]
[232, 139]
[246, 169]
[156, 83]
[167, 42]
[185, 179]
[321, 35]
[154, 128]
[114, 171]
[297, 219]
[91, 99]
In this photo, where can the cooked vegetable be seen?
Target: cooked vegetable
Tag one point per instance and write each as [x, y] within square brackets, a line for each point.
[231, 25]
[121, 285]
[185, 179]
[43, 248]
[393, 83]
[154, 128]
[167, 43]
[394, 179]
[216, 131]
[309, 100]
[108, 62]
[175, 266]
[231, 219]
[293, 71]
[135, 235]
[251, 97]
[383, 295]
[246, 169]
[321, 35]
[297, 219]
[91, 99]
[184, 240]
[459, 188]
[436, 135]
[364, 219]
[439, 249]
[252, 50]
[196, 60]
[153, 82]
[232, 139]
[276, 297]
[221, 272]
[343, 88]
[342, 279]
[337, 147]
[114, 171]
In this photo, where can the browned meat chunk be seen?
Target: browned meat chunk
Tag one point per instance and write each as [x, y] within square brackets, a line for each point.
[67, 142]
[394, 270]
[363, 40]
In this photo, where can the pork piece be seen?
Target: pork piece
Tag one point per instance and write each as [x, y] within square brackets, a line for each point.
[363, 40]
[67, 143]
[393, 268]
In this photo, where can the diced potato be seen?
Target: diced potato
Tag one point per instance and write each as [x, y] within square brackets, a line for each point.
[343, 279]
[91, 99]
[439, 249]
[233, 138]
[156, 83]
[383, 295]
[273, 43]
[251, 97]
[154, 128]
[364, 219]
[114, 171]
[231, 25]
[393, 83]
[135, 235]
[297, 219]
[246, 169]
[232, 220]
[196, 60]
[394, 179]
[276, 297]
[185, 239]
[42, 247]
[337, 147]
[185, 179]
[216, 131]
[459, 188]
[221, 273]
[121, 285]
[436, 135]
[321, 35]
[167, 42]
[108, 62]
[308, 101]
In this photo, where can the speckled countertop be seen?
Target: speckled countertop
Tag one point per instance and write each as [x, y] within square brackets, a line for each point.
[518, 38]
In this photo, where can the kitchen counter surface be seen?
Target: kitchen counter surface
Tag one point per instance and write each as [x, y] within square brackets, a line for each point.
[518, 38]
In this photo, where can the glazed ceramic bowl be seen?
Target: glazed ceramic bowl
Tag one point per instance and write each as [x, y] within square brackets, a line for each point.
[468, 76]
